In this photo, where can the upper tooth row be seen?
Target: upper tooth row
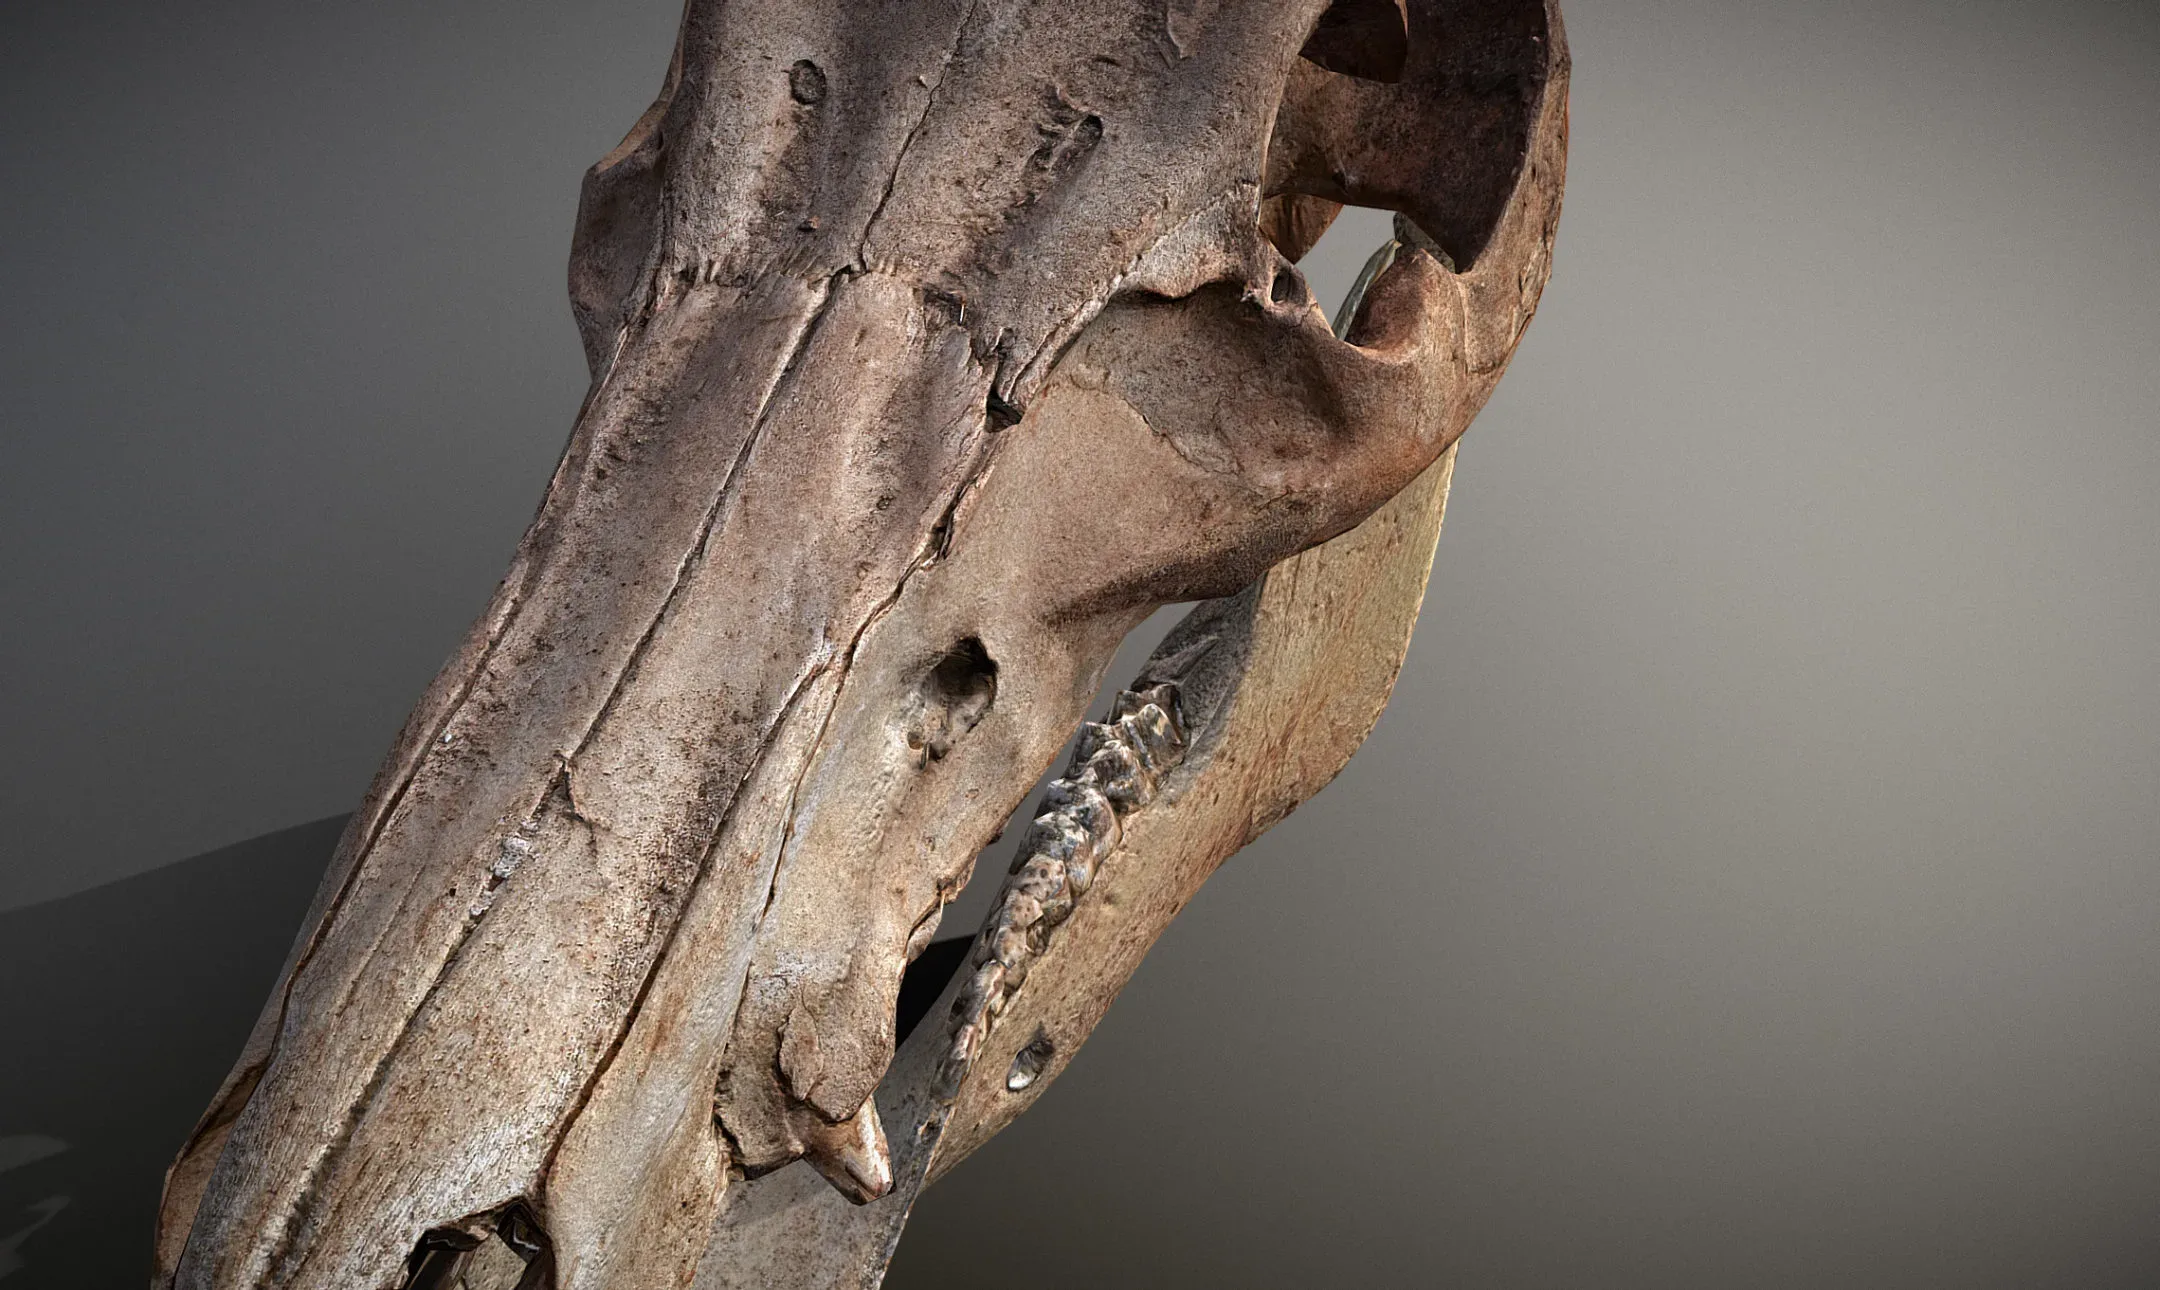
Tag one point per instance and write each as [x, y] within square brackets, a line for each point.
[1116, 768]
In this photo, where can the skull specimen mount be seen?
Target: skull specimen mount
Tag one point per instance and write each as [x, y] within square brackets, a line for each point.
[934, 345]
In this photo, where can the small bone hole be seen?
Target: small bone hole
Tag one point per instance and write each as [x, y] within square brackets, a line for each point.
[964, 683]
[437, 1262]
[1288, 287]
[516, 1255]
[806, 83]
[1029, 1062]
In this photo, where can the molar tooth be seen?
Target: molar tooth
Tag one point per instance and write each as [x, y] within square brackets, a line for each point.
[1085, 805]
[1080, 874]
[1117, 771]
[1154, 731]
[1054, 835]
[1164, 696]
[1020, 910]
[1133, 737]
[1094, 737]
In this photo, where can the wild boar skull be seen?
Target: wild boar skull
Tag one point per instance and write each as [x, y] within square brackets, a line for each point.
[934, 345]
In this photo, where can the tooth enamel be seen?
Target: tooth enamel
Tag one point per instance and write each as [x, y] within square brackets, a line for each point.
[1009, 947]
[1041, 877]
[1056, 836]
[1116, 768]
[1117, 771]
[1084, 806]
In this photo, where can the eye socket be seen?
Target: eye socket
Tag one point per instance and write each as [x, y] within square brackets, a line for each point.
[1445, 139]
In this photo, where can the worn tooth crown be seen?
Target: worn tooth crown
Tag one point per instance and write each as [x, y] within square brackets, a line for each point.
[1154, 734]
[1094, 737]
[1084, 806]
[1116, 769]
[1053, 834]
[1163, 696]
[1041, 877]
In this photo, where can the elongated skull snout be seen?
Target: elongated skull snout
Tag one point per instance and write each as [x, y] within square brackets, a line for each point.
[934, 346]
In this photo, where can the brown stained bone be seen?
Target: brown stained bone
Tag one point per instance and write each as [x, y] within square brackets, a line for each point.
[1297, 664]
[1369, 39]
[934, 346]
[1281, 683]
[1273, 688]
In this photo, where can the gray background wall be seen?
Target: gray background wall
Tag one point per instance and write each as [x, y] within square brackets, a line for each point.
[1754, 880]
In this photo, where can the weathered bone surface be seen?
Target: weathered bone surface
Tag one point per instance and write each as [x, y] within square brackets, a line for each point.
[934, 345]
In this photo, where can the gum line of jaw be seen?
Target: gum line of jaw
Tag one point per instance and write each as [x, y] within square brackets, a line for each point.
[1116, 767]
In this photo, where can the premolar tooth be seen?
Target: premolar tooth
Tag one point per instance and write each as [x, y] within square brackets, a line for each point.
[1053, 834]
[1041, 877]
[952, 1071]
[1009, 946]
[1131, 736]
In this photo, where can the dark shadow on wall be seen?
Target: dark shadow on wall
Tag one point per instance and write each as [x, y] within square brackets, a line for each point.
[122, 1009]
